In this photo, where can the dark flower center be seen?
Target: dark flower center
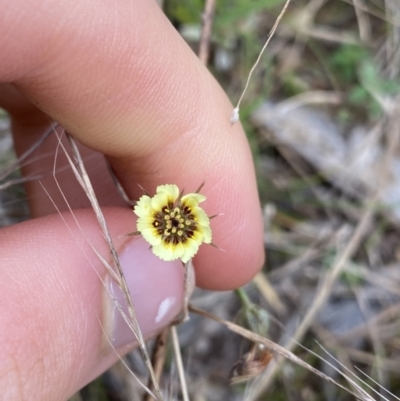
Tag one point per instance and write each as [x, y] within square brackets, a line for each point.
[175, 224]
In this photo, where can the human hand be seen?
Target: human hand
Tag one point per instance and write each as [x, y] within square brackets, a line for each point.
[119, 78]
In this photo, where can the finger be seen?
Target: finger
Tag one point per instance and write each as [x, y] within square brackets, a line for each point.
[49, 179]
[57, 318]
[142, 98]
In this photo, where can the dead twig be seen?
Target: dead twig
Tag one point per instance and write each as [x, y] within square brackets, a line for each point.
[205, 39]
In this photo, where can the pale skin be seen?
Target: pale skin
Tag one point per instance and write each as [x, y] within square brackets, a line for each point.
[119, 78]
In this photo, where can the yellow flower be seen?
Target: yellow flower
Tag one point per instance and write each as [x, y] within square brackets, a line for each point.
[174, 225]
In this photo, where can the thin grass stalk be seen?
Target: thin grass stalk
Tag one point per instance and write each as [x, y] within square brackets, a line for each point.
[124, 287]
[17, 163]
[158, 359]
[273, 347]
[235, 114]
[179, 363]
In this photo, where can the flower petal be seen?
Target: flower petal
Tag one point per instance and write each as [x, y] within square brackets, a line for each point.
[143, 206]
[198, 197]
[207, 235]
[191, 247]
[178, 250]
[151, 236]
[190, 203]
[197, 236]
[163, 252]
[200, 216]
[159, 201]
[144, 222]
[171, 190]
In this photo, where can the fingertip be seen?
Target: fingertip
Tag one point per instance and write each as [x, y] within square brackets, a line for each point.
[238, 257]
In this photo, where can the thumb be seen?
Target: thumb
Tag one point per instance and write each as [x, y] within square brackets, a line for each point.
[58, 323]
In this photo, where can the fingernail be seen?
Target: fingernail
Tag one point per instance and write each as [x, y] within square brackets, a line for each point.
[156, 288]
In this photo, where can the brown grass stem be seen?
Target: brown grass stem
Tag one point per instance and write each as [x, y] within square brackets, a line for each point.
[122, 282]
[206, 31]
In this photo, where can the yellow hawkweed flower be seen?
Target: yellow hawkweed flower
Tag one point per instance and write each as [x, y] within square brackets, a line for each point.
[174, 225]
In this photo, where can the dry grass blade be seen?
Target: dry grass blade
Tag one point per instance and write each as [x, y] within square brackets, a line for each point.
[22, 180]
[362, 393]
[179, 363]
[158, 360]
[78, 177]
[148, 391]
[331, 277]
[269, 293]
[17, 163]
[119, 186]
[374, 381]
[373, 335]
[351, 373]
[273, 347]
[122, 282]
[235, 114]
[104, 262]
